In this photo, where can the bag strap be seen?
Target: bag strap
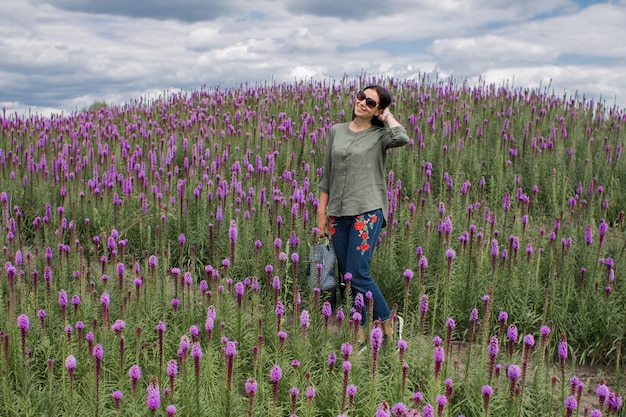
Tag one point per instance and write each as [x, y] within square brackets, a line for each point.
[324, 240]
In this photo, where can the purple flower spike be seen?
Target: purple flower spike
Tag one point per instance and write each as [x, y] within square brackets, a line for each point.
[276, 373]
[117, 398]
[70, 365]
[23, 322]
[154, 394]
[570, 405]
[251, 386]
[487, 392]
[135, 374]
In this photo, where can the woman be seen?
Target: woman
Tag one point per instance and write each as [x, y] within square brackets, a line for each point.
[353, 201]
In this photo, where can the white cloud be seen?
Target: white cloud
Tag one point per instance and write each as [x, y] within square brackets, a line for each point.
[67, 55]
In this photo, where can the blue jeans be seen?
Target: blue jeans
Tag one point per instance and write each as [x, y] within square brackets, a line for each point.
[354, 239]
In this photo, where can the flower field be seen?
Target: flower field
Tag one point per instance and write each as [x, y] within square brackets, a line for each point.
[155, 257]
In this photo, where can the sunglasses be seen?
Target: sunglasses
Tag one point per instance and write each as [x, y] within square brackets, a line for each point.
[369, 102]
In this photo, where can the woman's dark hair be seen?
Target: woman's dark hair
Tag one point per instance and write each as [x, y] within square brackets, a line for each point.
[384, 100]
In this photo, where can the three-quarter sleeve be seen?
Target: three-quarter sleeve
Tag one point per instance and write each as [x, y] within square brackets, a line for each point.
[395, 137]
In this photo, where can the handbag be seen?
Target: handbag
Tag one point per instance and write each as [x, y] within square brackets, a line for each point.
[322, 253]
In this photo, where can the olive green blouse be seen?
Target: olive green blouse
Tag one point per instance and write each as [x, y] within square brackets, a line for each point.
[354, 168]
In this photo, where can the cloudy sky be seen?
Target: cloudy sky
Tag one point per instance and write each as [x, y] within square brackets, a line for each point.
[62, 55]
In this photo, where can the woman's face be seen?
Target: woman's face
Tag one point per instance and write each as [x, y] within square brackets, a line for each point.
[362, 109]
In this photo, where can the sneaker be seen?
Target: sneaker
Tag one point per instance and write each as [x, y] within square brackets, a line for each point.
[400, 326]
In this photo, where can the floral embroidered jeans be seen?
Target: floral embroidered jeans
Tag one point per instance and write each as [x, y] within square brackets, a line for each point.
[354, 239]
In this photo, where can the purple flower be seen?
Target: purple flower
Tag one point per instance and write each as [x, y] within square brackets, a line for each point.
[383, 410]
[341, 316]
[117, 397]
[424, 304]
[75, 300]
[118, 326]
[529, 340]
[473, 315]
[570, 405]
[251, 386]
[438, 357]
[280, 309]
[614, 402]
[135, 374]
[332, 359]
[513, 372]
[232, 231]
[23, 322]
[603, 392]
[184, 345]
[448, 383]
[487, 391]
[418, 398]
[276, 373]
[503, 316]
[62, 298]
[230, 350]
[294, 392]
[450, 325]
[304, 319]
[196, 351]
[70, 364]
[511, 333]
[172, 368]
[442, 401]
[376, 338]
[493, 348]
[98, 352]
[194, 332]
[399, 410]
[588, 235]
[105, 300]
[172, 371]
[346, 350]
[154, 394]
[359, 302]
[545, 332]
[170, 410]
[160, 327]
[438, 354]
[310, 393]
[494, 248]
[402, 345]
[562, 349]
[327, 310]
